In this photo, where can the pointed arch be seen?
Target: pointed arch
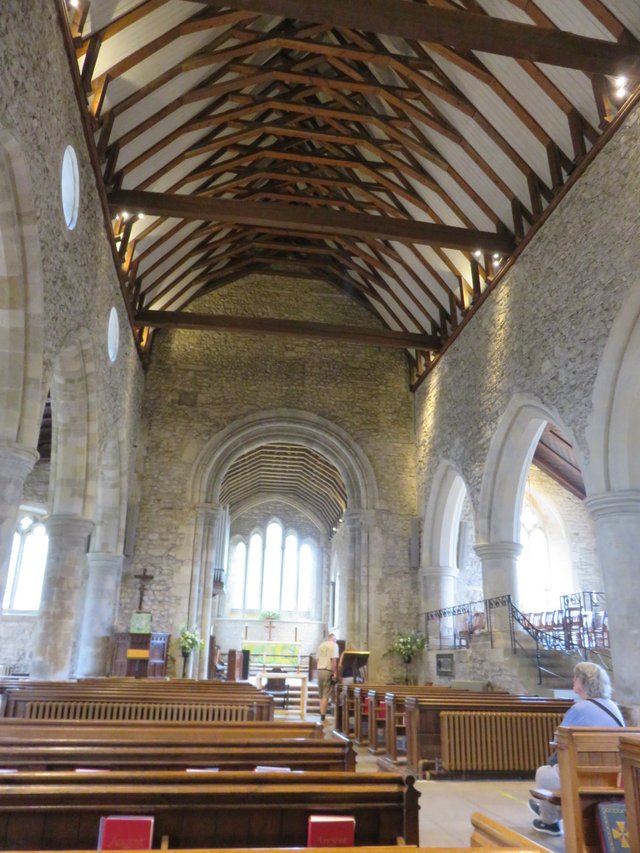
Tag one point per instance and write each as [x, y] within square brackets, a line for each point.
[21, 300]
[510, 455]
[614, 462]
[442, 516]
[111, 504]
[292, 426]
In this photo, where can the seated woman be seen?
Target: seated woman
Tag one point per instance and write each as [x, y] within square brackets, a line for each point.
[594, 708]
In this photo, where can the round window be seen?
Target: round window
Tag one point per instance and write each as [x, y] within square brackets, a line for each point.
[70, 187]
[113, 335]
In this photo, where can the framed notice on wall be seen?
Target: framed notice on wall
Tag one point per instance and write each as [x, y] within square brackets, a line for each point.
[140, 622]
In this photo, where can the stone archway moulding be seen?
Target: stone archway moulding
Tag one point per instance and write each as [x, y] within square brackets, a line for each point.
[284, 425]
[614, 424]
[510, 454]
[21, 301]
[442, 516]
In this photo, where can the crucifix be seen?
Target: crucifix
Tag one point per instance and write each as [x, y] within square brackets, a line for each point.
[144, 579]
[270, 627]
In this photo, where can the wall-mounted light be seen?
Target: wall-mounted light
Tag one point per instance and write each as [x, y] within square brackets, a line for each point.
[477, 254]
[621, 87]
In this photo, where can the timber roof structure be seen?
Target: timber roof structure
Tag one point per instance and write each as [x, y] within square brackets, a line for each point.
[401, 150]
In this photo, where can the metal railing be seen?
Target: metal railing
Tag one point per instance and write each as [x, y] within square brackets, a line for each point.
[578, 627]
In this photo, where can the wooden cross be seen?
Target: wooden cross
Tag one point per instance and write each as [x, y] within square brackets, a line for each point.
[270, 627]
[144, 579]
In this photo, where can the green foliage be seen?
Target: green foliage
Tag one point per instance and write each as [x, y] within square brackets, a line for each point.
[269, 614]
[189, 639]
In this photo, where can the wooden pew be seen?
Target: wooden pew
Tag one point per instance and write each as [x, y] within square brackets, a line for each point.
[424, 729]
[589, 763]
[333, 755]
[190, 701]
[630, 759]
[398, 848]
[488, 833]
[194, 810]
[151, 732]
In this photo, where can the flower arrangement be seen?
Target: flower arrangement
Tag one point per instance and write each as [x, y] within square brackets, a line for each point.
[408, 645]
[189, 639]
[269, 614]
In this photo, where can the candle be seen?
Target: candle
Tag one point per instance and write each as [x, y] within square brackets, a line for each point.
[246, 631]
[296, 634]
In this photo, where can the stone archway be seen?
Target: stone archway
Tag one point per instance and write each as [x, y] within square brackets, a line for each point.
[613, 484]
[438, 564]
[292, 427]
[21, 337]
[74, 485]
[501, 494]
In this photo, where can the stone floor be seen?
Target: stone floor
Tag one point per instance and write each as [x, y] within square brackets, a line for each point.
[446, 806]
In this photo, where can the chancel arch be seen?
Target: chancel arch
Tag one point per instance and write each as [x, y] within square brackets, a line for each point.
[352, 488]
[21, 336]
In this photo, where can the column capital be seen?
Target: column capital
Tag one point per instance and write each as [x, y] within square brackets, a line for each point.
[17, 460]
[439, 572]
[623, 502]
[103, 559]
[71, 526]
[498, 550]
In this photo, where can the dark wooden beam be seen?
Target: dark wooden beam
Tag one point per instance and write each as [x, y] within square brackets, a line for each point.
[462, 30]
[266, 326]
[325, 222]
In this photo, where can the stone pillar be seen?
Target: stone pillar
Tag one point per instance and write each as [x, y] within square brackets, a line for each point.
[56, 632]
[101, 600]
[357, 579]
[16, 463]
[210, 546]
[438, 591]
[617, 520]
[500, 577]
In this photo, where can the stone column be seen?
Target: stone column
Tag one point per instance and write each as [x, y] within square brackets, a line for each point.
[210, 545]
[357, 580]
[56, 632]
[16, 463]
[500, 577]
[100, 603]
[438, 591]
[617, 520]
[215, 558]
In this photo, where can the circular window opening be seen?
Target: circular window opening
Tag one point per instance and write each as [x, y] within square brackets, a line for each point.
[70, 187]
[113, 335]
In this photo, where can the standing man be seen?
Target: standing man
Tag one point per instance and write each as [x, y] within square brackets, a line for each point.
[328, 654]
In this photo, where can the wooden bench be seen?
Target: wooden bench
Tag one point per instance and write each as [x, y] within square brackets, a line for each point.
[589, 764]
[334, 755]
[488, 833]
[424, 726]
[151, 732]
[194, 810]
[630, 759]
[364, 849]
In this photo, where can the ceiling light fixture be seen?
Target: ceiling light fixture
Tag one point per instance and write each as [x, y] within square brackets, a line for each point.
[477, 253]
[125, 215]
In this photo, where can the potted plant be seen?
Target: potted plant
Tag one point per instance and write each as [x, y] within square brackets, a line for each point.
[188, 640]
[407, 647]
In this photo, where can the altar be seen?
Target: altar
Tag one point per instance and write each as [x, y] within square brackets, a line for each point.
[270, 653]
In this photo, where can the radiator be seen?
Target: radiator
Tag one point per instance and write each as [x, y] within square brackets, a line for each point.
[496, 741]
[173, 711]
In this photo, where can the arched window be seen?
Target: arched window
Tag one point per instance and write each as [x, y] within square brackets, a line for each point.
[281, 576]
[26, 566]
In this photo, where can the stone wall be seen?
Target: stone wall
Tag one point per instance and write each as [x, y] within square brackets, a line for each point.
[541, 334]
[79, 274]
[200, 383]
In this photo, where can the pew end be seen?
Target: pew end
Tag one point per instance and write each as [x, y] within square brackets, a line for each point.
[488, 833]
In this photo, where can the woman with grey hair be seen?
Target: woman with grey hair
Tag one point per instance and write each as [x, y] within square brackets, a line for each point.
[594, 707]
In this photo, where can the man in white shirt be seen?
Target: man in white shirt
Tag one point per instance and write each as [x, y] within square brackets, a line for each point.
[328, 654]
